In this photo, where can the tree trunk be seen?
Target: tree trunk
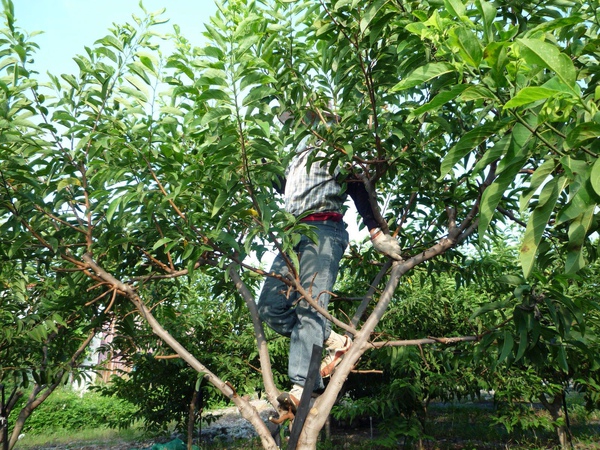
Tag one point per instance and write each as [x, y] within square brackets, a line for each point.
[32, 402]
[41, 392]
[554, 408]
[319, 413]
[563, 436]
[191, 416]
[7, 407]
[322, 407]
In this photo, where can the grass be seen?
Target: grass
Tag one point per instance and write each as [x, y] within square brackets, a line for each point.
[87, 437]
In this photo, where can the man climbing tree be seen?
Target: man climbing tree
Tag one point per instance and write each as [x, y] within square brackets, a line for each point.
[315, 193]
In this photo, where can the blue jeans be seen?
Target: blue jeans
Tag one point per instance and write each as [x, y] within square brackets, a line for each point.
[319, 265]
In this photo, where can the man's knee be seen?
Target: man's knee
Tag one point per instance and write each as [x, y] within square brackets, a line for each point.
[269, 313]
[263, 311]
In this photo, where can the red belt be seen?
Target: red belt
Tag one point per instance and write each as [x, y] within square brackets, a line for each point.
[333, 216]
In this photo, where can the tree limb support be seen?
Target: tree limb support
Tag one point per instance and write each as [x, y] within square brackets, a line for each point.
[246, 409]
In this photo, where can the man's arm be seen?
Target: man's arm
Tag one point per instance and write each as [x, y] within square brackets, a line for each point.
[279, 184]
[383, 243]
[357, 191]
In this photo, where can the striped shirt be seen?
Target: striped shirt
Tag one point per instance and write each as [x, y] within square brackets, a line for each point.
[310, 186]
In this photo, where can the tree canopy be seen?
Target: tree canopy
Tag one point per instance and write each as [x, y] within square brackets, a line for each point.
[465, 120]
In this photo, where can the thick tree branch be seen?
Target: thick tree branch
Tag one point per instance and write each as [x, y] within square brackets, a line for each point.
[40, 392]
[259, 332]
[246, 409]
[326, 401]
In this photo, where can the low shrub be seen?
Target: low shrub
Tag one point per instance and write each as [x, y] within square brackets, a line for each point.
[68, 410]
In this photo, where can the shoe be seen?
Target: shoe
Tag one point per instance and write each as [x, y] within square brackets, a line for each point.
[288, 401]
[334, 356]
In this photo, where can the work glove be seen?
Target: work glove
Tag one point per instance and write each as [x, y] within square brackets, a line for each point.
[386, 244]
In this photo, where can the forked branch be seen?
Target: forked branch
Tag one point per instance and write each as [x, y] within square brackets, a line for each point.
[247, 411]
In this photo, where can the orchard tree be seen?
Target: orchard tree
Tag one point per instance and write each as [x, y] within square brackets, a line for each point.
[538, 341]
[47, 322]
[459, 117]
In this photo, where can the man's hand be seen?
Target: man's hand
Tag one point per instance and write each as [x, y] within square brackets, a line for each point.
[386, 244]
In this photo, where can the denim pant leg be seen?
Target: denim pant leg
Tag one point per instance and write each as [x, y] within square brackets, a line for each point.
[276, 300]
[319, 265]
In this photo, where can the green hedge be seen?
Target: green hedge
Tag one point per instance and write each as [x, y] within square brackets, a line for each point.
[68, 410]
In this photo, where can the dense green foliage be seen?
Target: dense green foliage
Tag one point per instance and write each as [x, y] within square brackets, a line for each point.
[68, 411]
[398, 383]
[130, 177]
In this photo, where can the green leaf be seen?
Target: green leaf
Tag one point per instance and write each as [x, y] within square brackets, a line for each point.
[507, 346]
[488, 307]
[537, 223]
[212, 77]
[562, 358]
[530, 95]
[161, 242]
[552, 25]
[522, 343]
[170, 110]
[580, 191]
[68, 182]
[423, 74]
[215, 94]
[578, 230]
[17, 244]
[595, 176]
[135, 93]
[4, 62]
[583, 133]
[213, 52]
[522, 321]
[419, 29]
[467, 143]
[258, 93]
[112, 208]
[537, 179]
[455, 8]
[137, 68]
[256, 78]
[328, 26]
[477, 93]
[148, 61]
[214, 114]
[138, 84]
[370, 14]
[500, 148]
[493, 194]
[468, 46]
[71, 80]
[511, 280]
[488, 14]
[110, 41]
[219, 38]
[222, 198]
[108, 53]
[547, 55]
[439, 100]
